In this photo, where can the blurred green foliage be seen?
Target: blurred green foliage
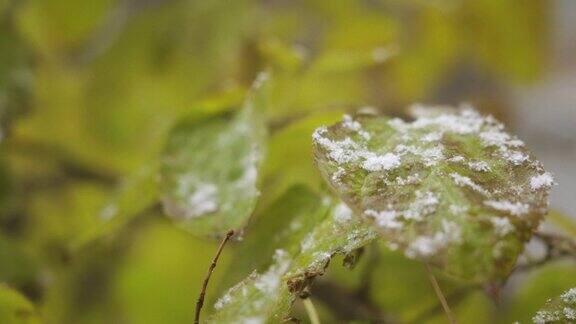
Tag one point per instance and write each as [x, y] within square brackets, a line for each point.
[90, 91]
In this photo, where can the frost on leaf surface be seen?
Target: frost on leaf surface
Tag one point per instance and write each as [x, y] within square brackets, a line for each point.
[451, 187]
[303, 245]
[561, 309]
[210, 169]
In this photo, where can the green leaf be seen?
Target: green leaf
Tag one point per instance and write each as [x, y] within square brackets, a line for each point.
[451, 188]
[304, 247]
[15, 308]
[209, 172]
[135, 193]
[292, 143]
[561, 309]
[535, 288]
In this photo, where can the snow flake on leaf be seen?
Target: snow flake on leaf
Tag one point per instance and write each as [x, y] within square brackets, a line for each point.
[561, 309]
[424, 182]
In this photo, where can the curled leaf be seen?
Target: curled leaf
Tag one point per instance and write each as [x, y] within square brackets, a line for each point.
[209, 171]
[451, 187]
[307, 244]
[561, 309]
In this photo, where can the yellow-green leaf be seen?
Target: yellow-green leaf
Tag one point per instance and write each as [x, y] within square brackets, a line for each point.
[451, 188]
[310, 237]
[15, 308]
[561, 309]
[210, 171]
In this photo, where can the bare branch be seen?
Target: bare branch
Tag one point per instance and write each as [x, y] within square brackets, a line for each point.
[440, 295]
[200, 301]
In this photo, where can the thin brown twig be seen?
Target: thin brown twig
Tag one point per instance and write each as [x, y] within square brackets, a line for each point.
[454, 298]
[440, 295]
[200, 301]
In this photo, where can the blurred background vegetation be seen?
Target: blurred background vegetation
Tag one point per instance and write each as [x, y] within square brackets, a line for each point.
[90, 89]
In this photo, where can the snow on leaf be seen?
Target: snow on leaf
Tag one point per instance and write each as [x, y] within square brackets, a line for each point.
[445, 188]
[210, 171]
[561, 309]
[303, 245]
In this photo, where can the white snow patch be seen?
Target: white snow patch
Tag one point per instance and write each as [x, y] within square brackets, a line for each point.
[432, 137]
[350, 123]
[462, 181]
[269, 281]
[427, 246]
[342, 213]
[381, 54]
[569, 313]
[516, 209]
[502, 225]
[204, 200]
[387, 219]
[337, 176]
[514, 157]
[308, 242]
[457, 210]
[424, 204]
[456, 159]
[433, 155]
[384, 162]
[252, 320]
[480, 166]
[411, 179]
[109, 212]
[544, 180]
[569, 296]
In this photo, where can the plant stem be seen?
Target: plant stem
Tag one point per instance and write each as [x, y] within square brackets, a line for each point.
[440, 295]
[200, 301]
[311, 310]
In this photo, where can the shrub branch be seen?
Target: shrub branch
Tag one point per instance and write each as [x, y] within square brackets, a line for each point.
[200, 301]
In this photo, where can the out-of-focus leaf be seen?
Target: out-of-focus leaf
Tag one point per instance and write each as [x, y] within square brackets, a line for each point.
[515, 28]
[15, 72]
[141, 62]
[15, 308]
[535, 289]
[560, 309]
[563, 222]
[210, 171]
[50, 28]
[451, 188]
[58, 217]
[135, 193]
[307, 242]
[3, 5]
[338, 61]
[170, 263]
[18, 268]
[292, 143]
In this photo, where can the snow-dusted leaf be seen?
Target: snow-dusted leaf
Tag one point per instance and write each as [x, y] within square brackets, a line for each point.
[451, 187]
[210, 171]
[308, 242]
[561, 309]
